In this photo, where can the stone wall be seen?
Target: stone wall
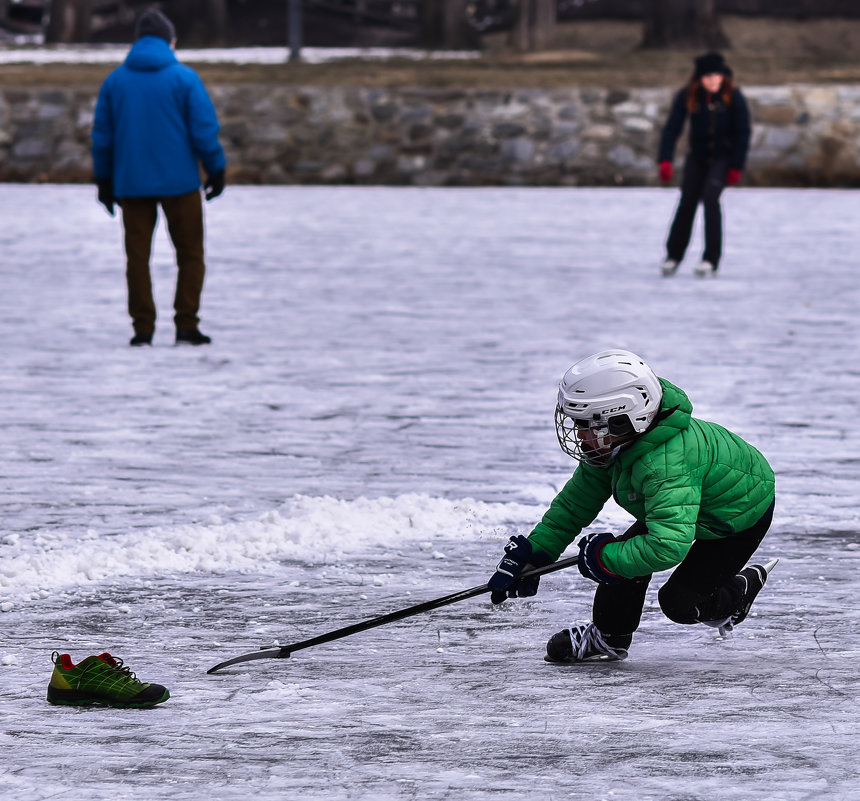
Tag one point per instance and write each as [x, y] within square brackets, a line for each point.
[803, 135]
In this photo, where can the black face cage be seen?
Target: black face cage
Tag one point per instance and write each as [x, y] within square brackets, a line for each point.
[606, 433]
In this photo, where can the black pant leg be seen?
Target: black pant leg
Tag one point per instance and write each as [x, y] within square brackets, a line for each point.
[617, 608]
[692, 183]
[702, 586]
[713, 186]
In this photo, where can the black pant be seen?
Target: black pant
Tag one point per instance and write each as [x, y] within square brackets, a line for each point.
[704, 180]
[701, 587]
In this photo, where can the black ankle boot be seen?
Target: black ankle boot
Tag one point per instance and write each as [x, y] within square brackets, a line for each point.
[140, 339]
[191, 336]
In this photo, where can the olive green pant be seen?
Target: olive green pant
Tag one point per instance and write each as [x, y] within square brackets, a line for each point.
[184, 215]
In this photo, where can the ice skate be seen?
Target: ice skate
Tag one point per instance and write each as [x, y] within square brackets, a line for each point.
[669, 267]
[583, 643]
[750, 581]
[705, 269]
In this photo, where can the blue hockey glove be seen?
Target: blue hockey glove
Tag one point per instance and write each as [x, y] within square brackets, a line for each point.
[589, 563]
[519, 556]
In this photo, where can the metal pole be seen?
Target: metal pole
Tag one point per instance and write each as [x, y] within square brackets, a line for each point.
[294, 28]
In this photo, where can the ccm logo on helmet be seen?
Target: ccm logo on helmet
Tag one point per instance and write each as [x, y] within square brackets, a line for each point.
[616, 409]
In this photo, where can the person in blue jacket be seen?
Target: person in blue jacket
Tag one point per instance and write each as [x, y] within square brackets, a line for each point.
[154, 124]
[719, 141]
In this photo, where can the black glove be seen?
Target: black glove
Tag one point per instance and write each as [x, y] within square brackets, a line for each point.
[589, 563]
[519, 556]
[106, 197]
[214, 185]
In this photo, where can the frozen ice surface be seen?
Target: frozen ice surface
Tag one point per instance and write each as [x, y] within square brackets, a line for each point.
[372, 421]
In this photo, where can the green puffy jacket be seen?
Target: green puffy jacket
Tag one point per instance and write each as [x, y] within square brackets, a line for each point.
[687, 479]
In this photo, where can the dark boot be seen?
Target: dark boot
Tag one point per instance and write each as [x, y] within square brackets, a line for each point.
[191, 336]
[140, 338]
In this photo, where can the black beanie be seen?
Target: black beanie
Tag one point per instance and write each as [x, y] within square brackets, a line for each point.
[153, 23]
[711, 63]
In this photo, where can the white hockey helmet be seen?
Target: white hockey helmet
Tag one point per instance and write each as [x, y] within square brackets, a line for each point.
[604, 401]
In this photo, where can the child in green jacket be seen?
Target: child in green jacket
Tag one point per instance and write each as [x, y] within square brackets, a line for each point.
[702, 498]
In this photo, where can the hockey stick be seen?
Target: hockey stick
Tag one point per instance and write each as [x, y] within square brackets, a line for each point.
[283, 652]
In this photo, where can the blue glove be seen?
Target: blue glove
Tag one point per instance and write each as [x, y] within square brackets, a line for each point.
[519, 556]
[589, 563]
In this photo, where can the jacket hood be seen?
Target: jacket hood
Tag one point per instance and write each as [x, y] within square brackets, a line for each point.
[150, 53]
[675, 413]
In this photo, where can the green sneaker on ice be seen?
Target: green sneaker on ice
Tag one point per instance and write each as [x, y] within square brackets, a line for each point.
[101, 679]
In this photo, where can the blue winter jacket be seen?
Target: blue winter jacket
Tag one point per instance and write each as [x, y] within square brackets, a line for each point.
[153, 123]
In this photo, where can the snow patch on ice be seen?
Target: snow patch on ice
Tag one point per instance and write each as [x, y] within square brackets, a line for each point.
[302, 529]
[115, 54]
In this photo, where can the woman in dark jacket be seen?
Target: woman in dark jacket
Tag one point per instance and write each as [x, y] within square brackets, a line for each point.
[719, 141]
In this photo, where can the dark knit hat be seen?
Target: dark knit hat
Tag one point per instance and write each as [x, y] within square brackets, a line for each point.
[153, 23]
[711, 63]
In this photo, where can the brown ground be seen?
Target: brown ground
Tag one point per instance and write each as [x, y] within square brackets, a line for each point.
[598, 53]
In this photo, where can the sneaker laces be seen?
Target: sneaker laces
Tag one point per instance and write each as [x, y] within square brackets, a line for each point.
[114, 663]
[587, 639]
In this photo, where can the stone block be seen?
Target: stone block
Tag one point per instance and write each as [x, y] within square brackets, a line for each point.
[621, 156]
[384, 112]
[780, 139]
[615, 97]
[599, 131]
[775, 115]
[637, 124]
[561, 152]
[509, 110]
[571, 112]
[267, 133]
[411, 163]
[430, 178]
[364, 168]
[520, 150]
[31, 148]
[508, 130]
[450, 121]
[416, 115]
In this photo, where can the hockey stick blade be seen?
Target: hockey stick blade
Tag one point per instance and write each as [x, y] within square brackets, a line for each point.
[284, 651]
[263, 653]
